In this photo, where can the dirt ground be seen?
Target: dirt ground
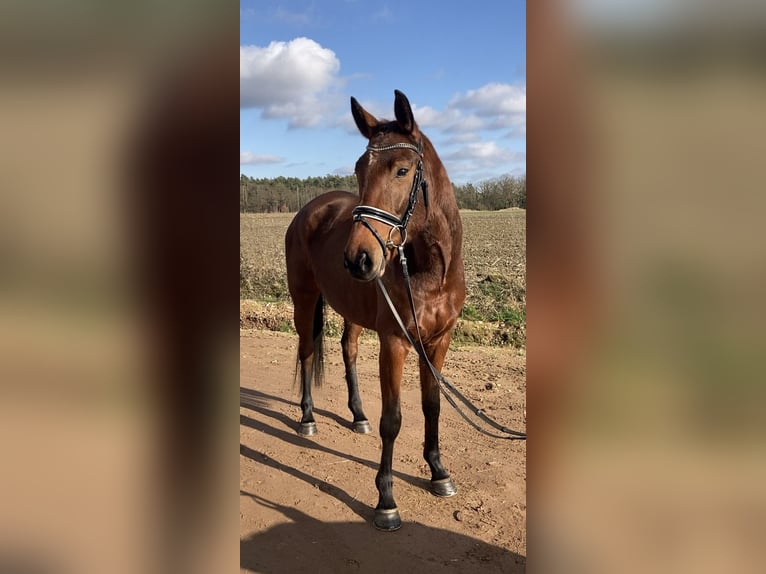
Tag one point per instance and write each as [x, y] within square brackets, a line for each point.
[306, 504]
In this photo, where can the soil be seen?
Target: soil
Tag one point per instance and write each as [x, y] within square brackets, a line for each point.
[306, 504]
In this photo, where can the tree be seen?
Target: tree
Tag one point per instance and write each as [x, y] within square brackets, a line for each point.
[291, 193]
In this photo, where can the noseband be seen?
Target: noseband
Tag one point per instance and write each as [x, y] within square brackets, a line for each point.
[362, 213]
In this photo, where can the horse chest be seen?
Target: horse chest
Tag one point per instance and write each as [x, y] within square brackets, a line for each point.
[436, 314]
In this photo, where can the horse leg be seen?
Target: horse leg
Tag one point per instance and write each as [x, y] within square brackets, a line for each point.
[308, 426]
[348, 343]
[305, 324]
[441, 483]
[393, 352]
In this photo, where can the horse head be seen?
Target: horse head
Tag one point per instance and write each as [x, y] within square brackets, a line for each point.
[390, 177]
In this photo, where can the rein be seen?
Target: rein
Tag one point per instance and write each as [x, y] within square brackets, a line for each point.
[444, 384]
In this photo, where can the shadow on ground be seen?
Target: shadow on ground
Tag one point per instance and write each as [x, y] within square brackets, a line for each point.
[305, 544]
[284, 429]
[309, 545]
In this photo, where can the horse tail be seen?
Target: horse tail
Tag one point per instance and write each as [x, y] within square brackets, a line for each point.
[317, 362]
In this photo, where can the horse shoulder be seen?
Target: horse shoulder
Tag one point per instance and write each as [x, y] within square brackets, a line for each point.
[446, 246]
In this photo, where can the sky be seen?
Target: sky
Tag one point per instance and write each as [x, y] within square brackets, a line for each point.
[462, 65]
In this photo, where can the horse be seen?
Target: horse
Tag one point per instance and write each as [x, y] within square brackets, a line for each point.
[341, 245]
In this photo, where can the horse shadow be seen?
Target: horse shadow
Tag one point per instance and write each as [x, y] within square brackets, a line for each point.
[258, 402]
[305, 544]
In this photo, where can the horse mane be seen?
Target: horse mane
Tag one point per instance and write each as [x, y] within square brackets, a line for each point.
[440, 186]
[441, 201]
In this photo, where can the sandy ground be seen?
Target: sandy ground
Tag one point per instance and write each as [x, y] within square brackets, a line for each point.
[306, 504]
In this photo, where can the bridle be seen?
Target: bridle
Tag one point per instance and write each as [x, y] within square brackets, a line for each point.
[363, 213]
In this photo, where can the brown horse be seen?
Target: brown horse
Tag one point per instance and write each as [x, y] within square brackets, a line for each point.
[340, 244]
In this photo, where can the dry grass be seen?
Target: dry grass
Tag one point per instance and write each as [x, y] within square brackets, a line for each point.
[494, 253]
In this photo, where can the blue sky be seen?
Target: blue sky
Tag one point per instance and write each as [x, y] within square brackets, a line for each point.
[461, 64]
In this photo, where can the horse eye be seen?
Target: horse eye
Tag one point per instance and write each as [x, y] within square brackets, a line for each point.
[402, 172]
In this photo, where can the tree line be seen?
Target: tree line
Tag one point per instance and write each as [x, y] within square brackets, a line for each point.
[287, 194]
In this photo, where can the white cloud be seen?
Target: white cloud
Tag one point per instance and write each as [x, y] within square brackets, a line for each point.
[449, 120]
[493, 106]
[462, 138]
[493, 100]
[428, 117]
[250, 158]
[291, 80]
[344, 170]
[467, 124]
[484, 153]
[477, 158]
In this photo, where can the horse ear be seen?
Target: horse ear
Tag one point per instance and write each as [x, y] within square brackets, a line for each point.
[403, 112]
[365, 121]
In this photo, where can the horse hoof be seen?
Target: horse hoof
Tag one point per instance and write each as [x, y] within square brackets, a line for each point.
[387, 519]
[361, 427]
[307, 429]
[443, 487]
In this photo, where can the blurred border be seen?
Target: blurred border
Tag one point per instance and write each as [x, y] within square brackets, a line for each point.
[645, 279]
[118, 290]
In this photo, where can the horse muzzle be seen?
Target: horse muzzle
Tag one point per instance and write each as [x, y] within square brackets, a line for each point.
[362, 267]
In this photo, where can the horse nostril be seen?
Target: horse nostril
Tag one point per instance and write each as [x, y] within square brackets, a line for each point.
[364, 262]
[360, 267]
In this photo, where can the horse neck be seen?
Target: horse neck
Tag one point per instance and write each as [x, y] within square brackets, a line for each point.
[442, 203]
[436, 234]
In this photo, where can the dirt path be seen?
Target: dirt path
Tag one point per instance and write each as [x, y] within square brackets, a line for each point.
[306, 504]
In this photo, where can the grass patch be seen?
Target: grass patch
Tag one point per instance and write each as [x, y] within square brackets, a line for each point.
[510, 316]
[470, 313]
